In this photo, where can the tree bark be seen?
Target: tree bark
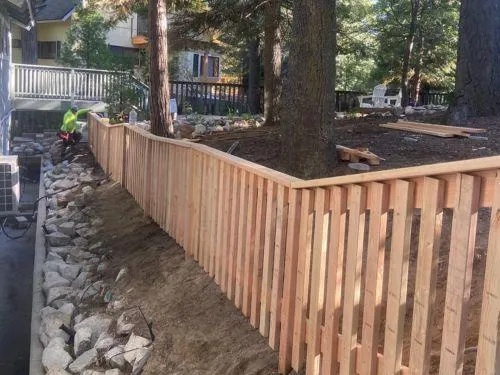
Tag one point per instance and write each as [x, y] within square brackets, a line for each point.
[161, 121]
[29, 50]
[410, 40]
[253, 76]
[272, 62]
[308, 111]
[477, 88]
[417, 77]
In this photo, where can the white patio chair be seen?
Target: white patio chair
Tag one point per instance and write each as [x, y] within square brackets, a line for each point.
[376, 100]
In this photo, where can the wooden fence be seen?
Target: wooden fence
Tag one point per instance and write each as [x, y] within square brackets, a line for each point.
[361, 274]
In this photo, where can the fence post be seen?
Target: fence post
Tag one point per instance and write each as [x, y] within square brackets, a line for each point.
[72, 86]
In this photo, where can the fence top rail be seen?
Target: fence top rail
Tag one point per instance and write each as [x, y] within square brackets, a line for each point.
[68, 69]
[239, 85]
[249, 166]
[462, 166]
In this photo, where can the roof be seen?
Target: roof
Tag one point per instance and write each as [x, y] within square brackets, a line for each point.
[55, 10]
[19, 11]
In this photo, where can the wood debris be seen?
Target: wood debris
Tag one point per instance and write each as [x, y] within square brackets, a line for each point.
[443, 131]
[356, 155]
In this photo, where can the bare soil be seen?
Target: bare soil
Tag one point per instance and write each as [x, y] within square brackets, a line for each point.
[197, 329]
[265, 148]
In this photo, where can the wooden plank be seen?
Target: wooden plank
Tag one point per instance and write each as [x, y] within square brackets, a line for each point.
[417, 130]
[430, 127]
[374, 279]
[463, 166]
[197, 206]
[228, 197]
[398, 277]
[303, 279]
[240, 250]
[258, 252]
[221, 198]
[290, 282]
[463, 236]
[447, 127]
[214, 192]
[318, 280]
[278, 266]
[250, 244]
[431, 222]
[267, 268]
[233, 234]
[350, 316]
[488, 352]
[333, 305]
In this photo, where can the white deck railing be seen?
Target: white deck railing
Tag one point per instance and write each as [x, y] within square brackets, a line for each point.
[62, 83]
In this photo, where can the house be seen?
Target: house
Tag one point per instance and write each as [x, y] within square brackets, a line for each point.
[19, 13]
[197, 62]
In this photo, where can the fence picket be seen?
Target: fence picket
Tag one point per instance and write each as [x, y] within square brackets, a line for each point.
[379, 196]
[318, 277]
[427, 269]
[250, 245]
[488, 352]
[303, 278]
[278, 266]
[356, 205]
[463, 236]
[333, 306]
[267, 268]
[398, 276]
[258, 252]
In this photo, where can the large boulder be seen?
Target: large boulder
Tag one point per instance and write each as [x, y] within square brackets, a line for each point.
[58, 239]
[67, 228]
[134, 342]
[98, 324]
[58, 293]
[83, 362]
[55, 358]
[83, 340]
[53, 279]
[115, 358]
[69, 271]
[104, 343]
[141, 358]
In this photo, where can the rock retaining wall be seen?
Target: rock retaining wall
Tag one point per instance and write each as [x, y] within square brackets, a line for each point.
[84, 330]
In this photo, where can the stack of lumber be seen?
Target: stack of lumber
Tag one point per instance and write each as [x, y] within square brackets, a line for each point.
[433, 129]
[358, 154]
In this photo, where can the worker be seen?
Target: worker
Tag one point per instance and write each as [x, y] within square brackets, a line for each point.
[70, 124]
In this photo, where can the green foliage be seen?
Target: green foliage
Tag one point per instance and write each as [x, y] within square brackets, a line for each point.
[435, 41]
[85, 45]
[121, 98]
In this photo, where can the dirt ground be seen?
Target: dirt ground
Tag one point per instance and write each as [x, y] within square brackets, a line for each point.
[197, 329]
[364, 132]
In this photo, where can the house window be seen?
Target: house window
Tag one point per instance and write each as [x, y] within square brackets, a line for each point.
[49, 50]
[16, 43]
[196, 65]
[213, 67]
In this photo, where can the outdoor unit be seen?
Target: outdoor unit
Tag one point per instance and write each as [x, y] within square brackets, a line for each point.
[9, 185]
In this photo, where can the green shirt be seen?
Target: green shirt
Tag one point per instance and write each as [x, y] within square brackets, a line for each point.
[69, 121]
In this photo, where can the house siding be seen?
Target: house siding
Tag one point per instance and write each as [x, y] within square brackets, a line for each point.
[4, 83]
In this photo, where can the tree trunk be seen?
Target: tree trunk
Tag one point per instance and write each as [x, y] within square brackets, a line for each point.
[410, 40]
[272, 62]
[308, 111]
[477, 88]
[253, 76]
[417, 77]
[29, 50]
[161, 121]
